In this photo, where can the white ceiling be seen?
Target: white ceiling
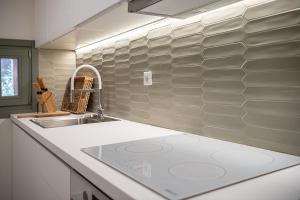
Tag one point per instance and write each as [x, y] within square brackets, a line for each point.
[111, 22]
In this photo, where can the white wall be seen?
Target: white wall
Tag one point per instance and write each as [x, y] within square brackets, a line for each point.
[16, 22]
[5, 158]
[17, 19]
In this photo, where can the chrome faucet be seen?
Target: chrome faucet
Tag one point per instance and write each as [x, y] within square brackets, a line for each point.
[98, 90]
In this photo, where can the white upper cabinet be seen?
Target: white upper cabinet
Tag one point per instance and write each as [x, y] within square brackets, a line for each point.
[40, 26]
[54, 18]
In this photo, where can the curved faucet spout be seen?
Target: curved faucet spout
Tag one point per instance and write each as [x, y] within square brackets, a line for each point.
[89, 67]
[72, 90]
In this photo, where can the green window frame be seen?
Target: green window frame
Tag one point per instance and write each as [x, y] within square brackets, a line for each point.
[25, 54]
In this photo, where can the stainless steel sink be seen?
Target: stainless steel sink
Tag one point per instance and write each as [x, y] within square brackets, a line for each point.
[61, 122]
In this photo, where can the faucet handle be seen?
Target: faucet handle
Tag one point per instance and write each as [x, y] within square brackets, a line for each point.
[100, 112]
[72, 96]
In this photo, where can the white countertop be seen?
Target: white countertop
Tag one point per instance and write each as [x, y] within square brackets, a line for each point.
[66, 142]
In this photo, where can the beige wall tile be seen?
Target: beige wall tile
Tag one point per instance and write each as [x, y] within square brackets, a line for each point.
[56, 67]
[233, 75]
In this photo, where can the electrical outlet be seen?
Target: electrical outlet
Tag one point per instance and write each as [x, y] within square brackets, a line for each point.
[148, 78]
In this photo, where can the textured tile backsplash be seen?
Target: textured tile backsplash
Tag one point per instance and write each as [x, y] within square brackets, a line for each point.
[56, 67]
[233, 75]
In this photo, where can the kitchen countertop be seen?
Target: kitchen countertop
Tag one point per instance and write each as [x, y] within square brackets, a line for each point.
[67, 142]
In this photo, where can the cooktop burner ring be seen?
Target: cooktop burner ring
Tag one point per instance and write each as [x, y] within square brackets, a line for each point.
[181, 138]
[144, 148]
[243, 157]
[193, 171]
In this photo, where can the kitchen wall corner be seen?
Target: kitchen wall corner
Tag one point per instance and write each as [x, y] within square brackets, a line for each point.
[5, 159]
[234, 75]
[56, 67]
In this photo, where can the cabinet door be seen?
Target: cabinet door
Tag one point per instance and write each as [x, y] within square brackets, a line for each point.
[82, 189]
[54, 18]
[41, 22]
[37, 174]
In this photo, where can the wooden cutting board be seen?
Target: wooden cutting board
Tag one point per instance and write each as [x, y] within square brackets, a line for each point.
[40, 114]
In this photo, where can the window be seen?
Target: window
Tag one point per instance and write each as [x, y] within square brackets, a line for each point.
[17, 70]
[9, 77]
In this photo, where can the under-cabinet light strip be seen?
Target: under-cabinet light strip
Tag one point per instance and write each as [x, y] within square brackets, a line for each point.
[154, 25]
[137, 31]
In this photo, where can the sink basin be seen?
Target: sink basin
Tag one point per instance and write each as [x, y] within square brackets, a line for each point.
[61, 122]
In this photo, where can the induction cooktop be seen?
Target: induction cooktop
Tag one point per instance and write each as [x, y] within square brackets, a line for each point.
[184, 165]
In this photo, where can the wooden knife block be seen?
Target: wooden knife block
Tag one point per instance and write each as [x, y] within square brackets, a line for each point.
[47, 102]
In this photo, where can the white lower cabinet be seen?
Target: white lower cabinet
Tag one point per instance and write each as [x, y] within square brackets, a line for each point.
[37, 174]
[81, 189]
